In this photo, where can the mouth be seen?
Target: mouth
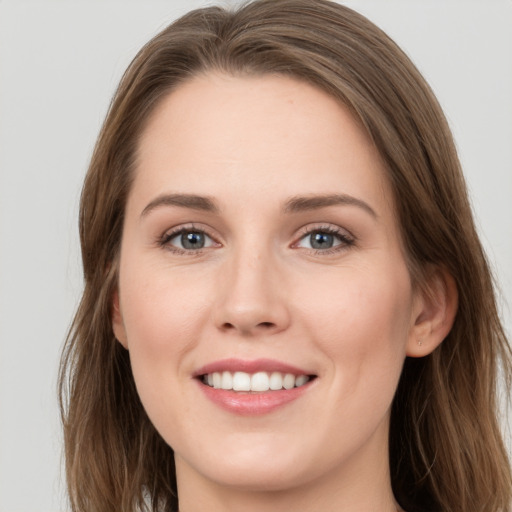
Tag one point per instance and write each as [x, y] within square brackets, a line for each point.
[259, 382]
[253, 387]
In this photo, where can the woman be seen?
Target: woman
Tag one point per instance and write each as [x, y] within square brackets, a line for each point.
[286, 303]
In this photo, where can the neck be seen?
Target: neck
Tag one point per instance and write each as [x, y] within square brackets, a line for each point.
[305, 499]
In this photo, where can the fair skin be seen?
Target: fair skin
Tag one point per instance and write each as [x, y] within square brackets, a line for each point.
[245, 272]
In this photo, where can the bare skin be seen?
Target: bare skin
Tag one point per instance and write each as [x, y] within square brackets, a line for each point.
[225, 255]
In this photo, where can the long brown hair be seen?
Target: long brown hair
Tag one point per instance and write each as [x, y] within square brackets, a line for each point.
[446, 450]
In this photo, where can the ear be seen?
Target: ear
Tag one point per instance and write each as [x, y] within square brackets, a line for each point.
[117, 321]
[434, 312]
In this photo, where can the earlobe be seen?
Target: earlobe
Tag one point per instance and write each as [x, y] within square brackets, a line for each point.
[117, 321]
[434, 313]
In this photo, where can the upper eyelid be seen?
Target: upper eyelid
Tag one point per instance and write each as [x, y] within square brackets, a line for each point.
[180, 228]
[331, 228]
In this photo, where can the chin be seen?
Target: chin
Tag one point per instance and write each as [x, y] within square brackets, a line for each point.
[270, 476]
[260, 463]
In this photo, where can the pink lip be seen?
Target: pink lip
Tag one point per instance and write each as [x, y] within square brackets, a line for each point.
[256, 365]
[251, 403]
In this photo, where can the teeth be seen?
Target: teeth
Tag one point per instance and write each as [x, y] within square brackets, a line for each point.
[289, 381]
[261, 381]
[241, 381]
[226, 381]
[276, 381]
[301, 380]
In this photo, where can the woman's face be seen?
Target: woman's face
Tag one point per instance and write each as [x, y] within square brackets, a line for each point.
[261, 250]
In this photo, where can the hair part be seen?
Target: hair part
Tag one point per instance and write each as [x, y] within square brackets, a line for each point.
[446, 449]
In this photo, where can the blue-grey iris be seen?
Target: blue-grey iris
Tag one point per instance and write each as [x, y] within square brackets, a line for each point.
[321, 240]
[192, 240]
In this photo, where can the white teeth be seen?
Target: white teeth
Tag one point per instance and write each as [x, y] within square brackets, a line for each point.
[217, 380]
[289, 381]
[301, 380]
[226, 381]
[276, 381]
[241, 381]
[260, 381]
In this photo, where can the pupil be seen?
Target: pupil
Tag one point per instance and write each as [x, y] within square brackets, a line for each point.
[321, 240]
[192, 240]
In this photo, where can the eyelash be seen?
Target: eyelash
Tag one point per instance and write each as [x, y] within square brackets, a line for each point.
[345, 239]
[164, 240]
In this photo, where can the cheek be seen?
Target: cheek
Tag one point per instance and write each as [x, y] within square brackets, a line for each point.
[159, 305]
[360, 320]
[164, 313]
[354, 302]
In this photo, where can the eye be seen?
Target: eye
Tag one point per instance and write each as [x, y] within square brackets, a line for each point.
[325, 239]
[186, 239]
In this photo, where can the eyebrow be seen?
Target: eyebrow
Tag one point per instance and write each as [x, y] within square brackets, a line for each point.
[295, 204]
[314, 202]
[191, 201]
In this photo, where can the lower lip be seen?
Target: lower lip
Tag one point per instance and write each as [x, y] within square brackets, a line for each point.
[251, 404]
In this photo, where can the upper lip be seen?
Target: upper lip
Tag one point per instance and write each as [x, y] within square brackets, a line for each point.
[250, 366]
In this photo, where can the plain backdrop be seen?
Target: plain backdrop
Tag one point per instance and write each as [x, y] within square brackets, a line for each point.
[59, 64]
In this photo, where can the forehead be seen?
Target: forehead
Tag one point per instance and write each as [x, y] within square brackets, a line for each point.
[263, 133]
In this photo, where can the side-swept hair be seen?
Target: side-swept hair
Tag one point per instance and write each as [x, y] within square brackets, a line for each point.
[446, 450]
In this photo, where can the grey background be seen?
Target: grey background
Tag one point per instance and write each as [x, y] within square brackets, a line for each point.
[59, 64]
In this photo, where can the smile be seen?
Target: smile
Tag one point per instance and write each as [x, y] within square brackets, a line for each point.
[253, 387]
[256, 382]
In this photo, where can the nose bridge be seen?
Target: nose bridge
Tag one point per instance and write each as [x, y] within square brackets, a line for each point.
[252, 301]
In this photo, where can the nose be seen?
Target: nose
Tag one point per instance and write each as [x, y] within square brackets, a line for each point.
[252, 297]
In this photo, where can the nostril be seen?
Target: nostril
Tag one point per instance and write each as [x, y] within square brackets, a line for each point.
[247, 327]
